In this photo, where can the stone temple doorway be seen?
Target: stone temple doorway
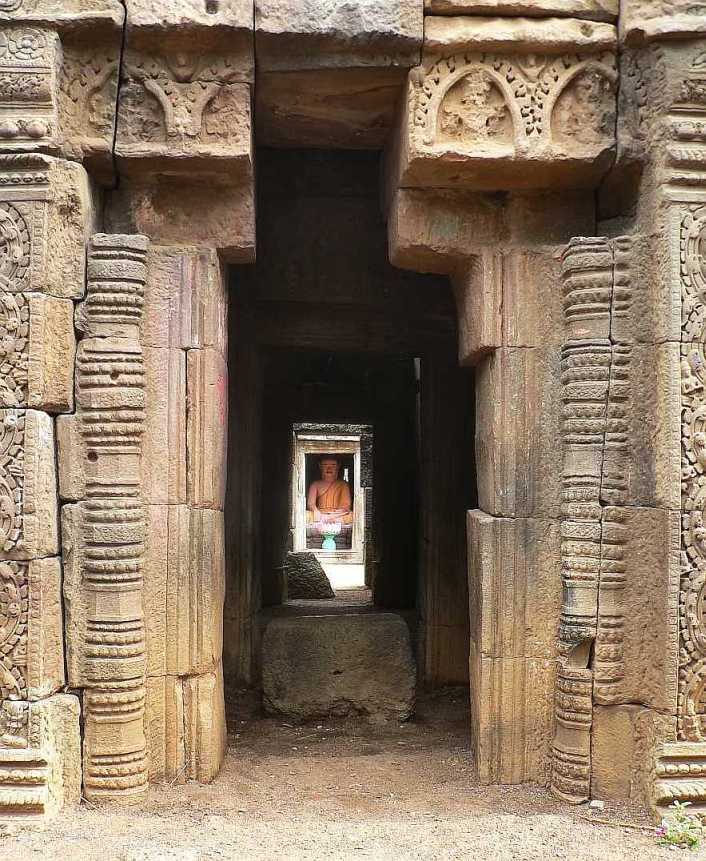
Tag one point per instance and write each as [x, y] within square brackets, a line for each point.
[326, 337]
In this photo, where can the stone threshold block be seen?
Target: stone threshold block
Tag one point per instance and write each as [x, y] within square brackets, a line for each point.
[45, 220]
[501, 104]
[512, 718]
[29, 500]
[185, 726]
[318, 666]
[40, 758]
[593, 10]
[31, 619]
[514, 587]
[294, 35]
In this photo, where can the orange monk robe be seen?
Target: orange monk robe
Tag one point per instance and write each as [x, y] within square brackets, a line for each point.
[337, 495]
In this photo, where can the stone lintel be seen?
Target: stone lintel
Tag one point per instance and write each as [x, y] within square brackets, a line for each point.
[291, 35]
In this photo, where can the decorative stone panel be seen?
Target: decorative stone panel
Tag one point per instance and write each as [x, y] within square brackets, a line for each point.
[184, 111]
[28, 497]
[42, 198]
[499, 105]
[31, 630]
[40, 757]
[30, 59]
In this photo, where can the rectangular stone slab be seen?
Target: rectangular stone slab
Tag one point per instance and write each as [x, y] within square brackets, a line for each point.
[595, 10]
[314, 666]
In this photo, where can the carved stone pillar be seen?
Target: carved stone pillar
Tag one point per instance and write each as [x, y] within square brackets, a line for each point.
[104, 533]
[39, 728]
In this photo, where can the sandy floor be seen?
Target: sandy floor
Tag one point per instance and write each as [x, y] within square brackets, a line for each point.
[346, 791]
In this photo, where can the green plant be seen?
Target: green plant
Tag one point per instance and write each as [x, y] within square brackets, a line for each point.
[680, 828]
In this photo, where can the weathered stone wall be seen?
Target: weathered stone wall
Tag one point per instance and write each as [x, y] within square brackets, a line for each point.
[133, 123]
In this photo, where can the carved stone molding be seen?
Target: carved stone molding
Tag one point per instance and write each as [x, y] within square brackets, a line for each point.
[29, 62]
[186, 110]
[42, 197]
[39, 756]
[104, 533]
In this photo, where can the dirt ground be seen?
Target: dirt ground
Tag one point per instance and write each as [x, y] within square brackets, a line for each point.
[345, 790]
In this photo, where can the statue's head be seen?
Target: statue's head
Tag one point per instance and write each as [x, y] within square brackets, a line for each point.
[329, 467]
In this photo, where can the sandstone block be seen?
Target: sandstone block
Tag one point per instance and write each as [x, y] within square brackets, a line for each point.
[320, 33]
[45, 217]
[635, 653]
[29, 496]
[514, 586]
[551, 35]
[186, 302]
[164, 727]
[184, 590]
[518, 442]
[432, 231]
[679, 770]
[30, 119]
[313, 666]
[110, 396]
[464, 125]
[642, 20]
[65, 14]
[532, 306]
[594, 10]
[164, 442]
[306, 578]
[88, 92]
[185, 726]
[40, 757]
[622, 752]
[187, 212]
[184, 114]
[39, 348]
[103, 552]
[511, 718]
[33, 649]
[642, 458]
[478, 290]
[205, 734]
[330, 108]
[207, 416]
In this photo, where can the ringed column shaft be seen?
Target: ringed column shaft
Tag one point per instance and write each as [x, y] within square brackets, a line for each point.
[111, 518]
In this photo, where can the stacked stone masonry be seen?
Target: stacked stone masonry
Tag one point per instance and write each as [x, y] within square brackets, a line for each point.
[548, 156]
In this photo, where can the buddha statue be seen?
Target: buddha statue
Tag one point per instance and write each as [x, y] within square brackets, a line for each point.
[329, 498]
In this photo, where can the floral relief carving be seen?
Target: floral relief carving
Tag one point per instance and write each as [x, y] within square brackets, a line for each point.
[89, 83]
[26, 84]
[483, 96]
[14, 613]
[692, 657]
[180, 99]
